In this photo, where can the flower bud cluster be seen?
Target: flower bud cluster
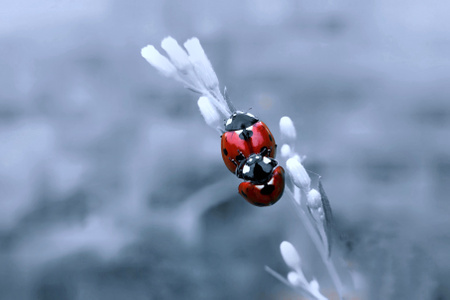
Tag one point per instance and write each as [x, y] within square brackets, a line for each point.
[296, 278]
[315, 213]
[191, 67]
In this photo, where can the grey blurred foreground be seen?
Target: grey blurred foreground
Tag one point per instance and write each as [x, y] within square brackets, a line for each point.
[112, 187]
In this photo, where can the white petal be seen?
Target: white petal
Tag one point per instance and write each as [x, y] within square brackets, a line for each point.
[208, 110]
[158, 61]
[201, 63]
[314, 285]
[176, 54]
[293, 278]
[285, 150]
[314, 199]
[298, 174]
[287, 128]
[290, 255]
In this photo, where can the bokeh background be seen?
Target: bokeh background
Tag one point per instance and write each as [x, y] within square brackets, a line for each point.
[112, 186]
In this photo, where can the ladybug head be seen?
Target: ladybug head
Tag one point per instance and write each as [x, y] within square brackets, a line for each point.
[240, 120]
[257, 168]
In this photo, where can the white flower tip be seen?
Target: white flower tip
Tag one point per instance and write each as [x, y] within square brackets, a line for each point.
[201, 63]
[290, 255]
[285, 150]
[150, 53]
[314, 285]
[293, 278]
[195, 49]
[287, 128]
[314, 199]
[168, 40]
[208, 111]
[177, 54]
[298, 174]
[157, 60]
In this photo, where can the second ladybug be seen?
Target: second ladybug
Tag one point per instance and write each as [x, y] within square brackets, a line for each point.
[265, 184]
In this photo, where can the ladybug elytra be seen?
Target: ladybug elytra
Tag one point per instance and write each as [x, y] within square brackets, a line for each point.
[245, 135]
[265, 193]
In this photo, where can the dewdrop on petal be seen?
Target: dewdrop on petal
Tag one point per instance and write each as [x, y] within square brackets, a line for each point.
[285, 150]
[298, 174]
[314, 199]
[287, 128]
[208, 111]
[160, 62]
[290, 255]
[177, 55]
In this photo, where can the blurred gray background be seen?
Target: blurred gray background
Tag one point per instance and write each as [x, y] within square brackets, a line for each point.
[112, 186]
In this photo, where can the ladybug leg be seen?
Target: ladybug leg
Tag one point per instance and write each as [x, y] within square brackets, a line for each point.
[241, 157]
[233, 161]
[238, 171]
[265, 151]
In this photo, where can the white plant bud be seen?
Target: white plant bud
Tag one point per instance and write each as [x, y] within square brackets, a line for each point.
[177, 55]
[290, 255]
[209, 111]
[297, 157]
[160, 62]
[285, 150]
[298, 174]
[314, 199]
[314, 285]
[201, 63]
[287, 128]
[293, 278]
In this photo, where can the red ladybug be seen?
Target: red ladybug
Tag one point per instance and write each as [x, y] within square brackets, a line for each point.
[244, 135]
[266, 181]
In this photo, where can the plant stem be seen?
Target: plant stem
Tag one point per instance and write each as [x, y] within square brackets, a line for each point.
[318, 243]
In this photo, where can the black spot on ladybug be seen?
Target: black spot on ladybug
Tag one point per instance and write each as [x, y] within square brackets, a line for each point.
[267, 189]
[225, 151]
[245, 134]
[244, 194]
[270, 138]
[240, 157]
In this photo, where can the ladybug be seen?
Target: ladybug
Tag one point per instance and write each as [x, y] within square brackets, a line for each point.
[244, 135]
[265, 184]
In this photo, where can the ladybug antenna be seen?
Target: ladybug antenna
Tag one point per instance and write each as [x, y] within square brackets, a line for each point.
[227, 99]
